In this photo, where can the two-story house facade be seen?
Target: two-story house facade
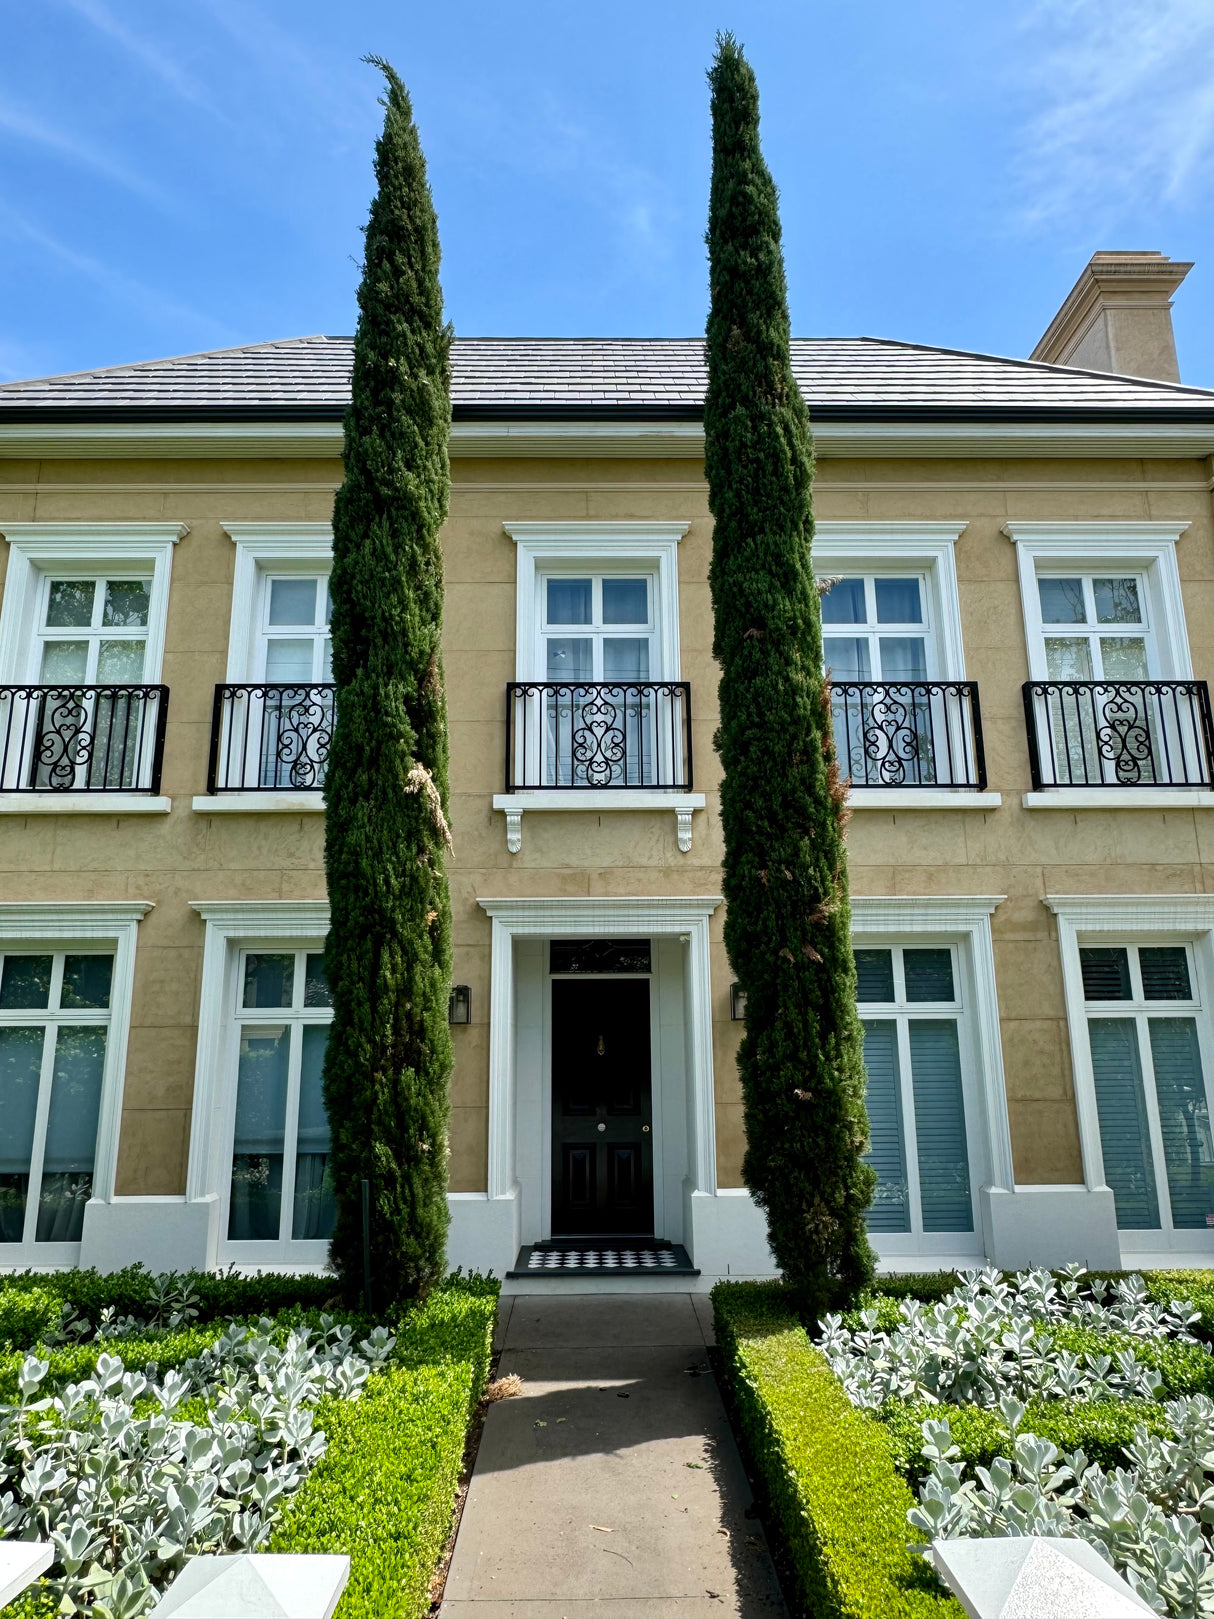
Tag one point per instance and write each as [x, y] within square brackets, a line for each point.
[1021, 557]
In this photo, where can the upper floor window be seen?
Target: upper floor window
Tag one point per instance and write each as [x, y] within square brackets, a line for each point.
[877, 627]
[94, 630]
[911, 1011]
[597, 626]
[1144, 1026]
[54, 1026]
[1095, 626]
[294, 636]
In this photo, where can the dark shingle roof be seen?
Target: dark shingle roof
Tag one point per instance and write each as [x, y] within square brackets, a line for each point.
[309, 376]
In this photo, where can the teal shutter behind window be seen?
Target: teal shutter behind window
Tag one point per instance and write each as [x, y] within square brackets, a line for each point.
[1184, 1120]
[944, 1174]
[1125, 1141]
[890, 1209]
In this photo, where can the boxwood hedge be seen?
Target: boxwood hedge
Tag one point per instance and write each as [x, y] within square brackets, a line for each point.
[827, 1468]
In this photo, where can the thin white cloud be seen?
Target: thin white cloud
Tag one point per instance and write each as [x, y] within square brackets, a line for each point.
[156, 306]
[1123, 95]
[76, 149]
[139, 46]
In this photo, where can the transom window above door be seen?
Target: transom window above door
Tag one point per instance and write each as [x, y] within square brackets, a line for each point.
[876, 627]
[296, 643]
[597, 627]
[1095, 626]
[94, 631]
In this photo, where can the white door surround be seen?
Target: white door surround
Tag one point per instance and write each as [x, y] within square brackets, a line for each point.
[722, 1230]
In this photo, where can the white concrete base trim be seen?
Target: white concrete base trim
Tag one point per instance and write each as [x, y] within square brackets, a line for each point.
[906, 798]
[484, 1234]
[726, 1233]
[1050, 1226]
[21, 1562]
[259, 804]
[163, 1233]
[1114, 798]
[83, 804]
[1163, 1259]
[515, 805]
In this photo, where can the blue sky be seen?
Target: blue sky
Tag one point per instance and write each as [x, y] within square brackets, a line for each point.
[186, 174]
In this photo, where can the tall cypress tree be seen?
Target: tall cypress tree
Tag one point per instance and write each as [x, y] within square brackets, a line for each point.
[387, 1072]
[787, 929]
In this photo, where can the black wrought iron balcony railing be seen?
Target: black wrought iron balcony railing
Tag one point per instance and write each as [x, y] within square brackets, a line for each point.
[598, 734]
[1119, 733]
[82, 739]
[270, 738]
[913, 733]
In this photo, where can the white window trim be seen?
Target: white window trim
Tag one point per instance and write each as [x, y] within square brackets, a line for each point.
[58, 926]
[841, 547]
[585, 546]
[231, 926]
[965, 921]
[263, 548]
[1143, 919]
[35, 549]
[1145, 547]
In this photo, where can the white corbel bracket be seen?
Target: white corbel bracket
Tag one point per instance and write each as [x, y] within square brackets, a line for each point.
[515, 805]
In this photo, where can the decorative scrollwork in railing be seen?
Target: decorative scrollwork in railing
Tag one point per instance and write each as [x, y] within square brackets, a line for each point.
[82, 739]
[598, 734]
[274, 737]
[914, 733]
[1119, 733]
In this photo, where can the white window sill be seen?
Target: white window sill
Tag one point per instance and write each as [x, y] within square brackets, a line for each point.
[515, 805]
[910, 798]
[83, 804]
[260, 804]
[1105, 798]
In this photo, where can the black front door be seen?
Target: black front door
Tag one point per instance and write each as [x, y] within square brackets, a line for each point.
[602, 1143]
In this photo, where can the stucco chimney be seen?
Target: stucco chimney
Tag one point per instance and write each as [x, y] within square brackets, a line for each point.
[1118, 317]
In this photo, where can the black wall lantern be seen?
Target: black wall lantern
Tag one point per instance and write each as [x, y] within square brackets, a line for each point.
[459, 1007]
[737, 1003]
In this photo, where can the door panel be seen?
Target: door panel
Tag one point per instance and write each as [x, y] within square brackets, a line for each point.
[602, 1141]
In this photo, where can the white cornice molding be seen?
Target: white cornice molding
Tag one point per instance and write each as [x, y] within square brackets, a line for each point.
[70, 536]
[69, 919]
[921, 913]
[588, 534]
[1116, 913]
[1122, 531]
[267, 535]
[264, 918]
[601, 916]
[595, 440]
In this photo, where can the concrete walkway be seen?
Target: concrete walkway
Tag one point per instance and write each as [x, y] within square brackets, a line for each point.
[611, 1488]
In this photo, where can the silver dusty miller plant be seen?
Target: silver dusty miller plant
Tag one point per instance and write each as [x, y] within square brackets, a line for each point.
[126, 1490]
[990, 1338]
[1152, 1520]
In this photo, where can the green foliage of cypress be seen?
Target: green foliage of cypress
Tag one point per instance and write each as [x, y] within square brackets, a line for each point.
[387, 1072]
[788, 928]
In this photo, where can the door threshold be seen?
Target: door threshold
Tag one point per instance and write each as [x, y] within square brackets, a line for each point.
[572, 1259]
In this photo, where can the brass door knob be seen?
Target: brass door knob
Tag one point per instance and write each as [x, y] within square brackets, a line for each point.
[645, 1129]
[601, 1127]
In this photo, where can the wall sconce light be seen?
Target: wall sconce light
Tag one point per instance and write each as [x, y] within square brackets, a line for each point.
[459, 1007]
[737, 1003]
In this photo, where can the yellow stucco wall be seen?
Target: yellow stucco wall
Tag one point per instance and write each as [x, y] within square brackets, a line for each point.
[186, 856]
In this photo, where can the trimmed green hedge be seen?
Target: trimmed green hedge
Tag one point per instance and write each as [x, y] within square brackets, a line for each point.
[1101, 1429]
[1195, 1285]
[828, 1468]
[69, 1363]
[384, 1490]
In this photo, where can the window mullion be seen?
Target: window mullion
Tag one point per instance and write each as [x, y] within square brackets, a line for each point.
[291, 1133]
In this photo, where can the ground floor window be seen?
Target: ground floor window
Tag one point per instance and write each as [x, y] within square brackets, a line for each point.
[912, 1013]
[54, 1028]
[1151, 1080]
[281, 1186]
